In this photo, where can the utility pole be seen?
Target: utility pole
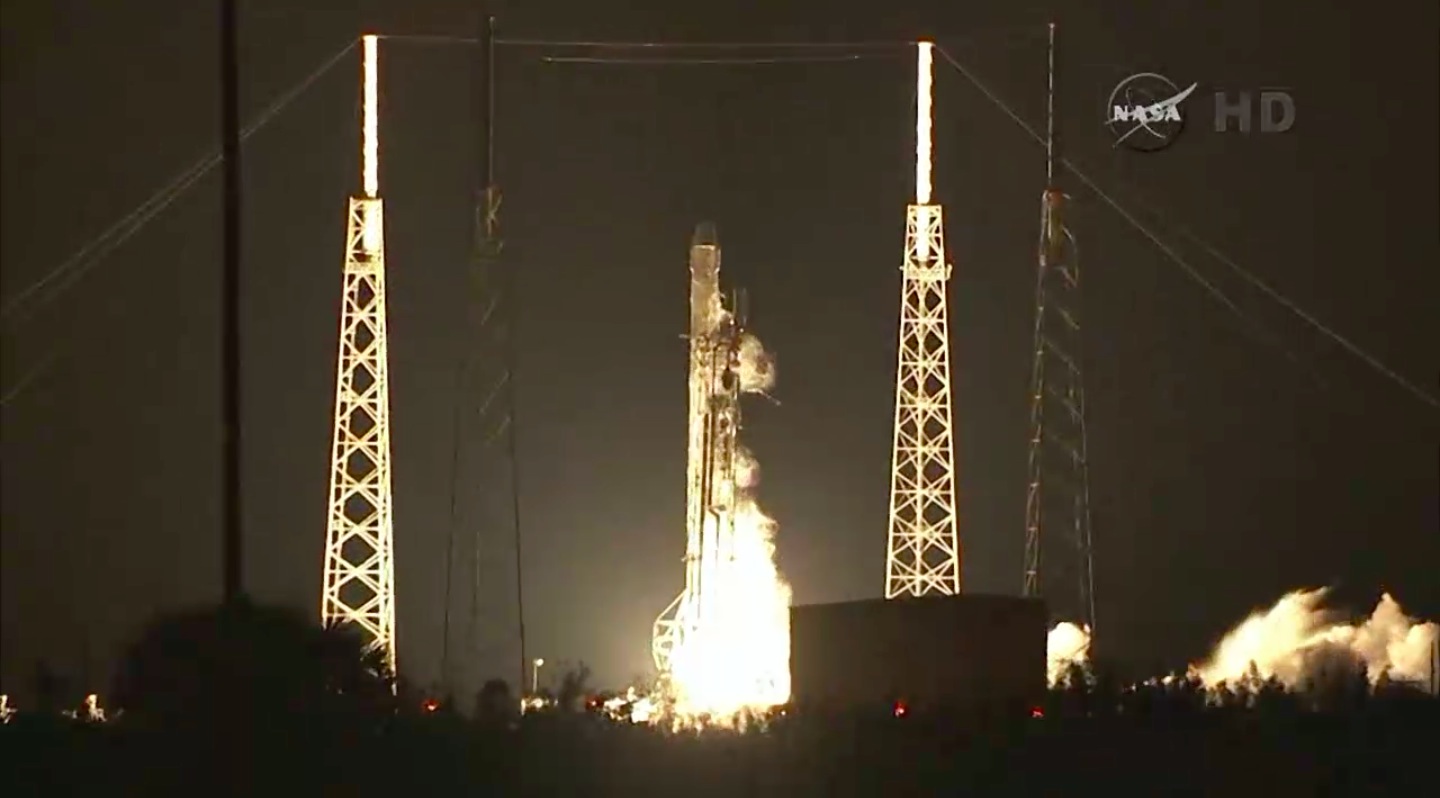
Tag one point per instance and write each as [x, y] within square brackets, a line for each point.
[232, 546]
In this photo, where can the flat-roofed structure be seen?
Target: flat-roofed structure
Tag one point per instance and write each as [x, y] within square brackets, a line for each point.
[967, 653]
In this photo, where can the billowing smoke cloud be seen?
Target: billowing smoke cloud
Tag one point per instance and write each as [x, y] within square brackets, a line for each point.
[1292, 639]
[1294, 642]
[757, 367]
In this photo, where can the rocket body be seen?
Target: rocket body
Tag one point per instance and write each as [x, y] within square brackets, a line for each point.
[714, 420]
[723, 644]
[711, 472]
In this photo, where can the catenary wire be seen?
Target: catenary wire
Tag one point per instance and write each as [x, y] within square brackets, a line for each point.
[74, 268]
[77, 265]
[1215, 292]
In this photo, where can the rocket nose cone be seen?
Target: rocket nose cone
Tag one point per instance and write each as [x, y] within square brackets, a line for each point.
[705, 235]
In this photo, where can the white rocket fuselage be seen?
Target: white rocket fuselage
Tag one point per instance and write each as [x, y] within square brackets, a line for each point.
[714, 425]
[711, 470]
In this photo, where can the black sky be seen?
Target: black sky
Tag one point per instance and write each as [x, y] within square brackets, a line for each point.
[1223, 474]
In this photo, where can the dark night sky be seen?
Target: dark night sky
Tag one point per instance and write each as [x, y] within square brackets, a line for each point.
[1223, 474]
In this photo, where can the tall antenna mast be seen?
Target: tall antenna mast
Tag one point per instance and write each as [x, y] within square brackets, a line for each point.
[511, 322]
[491, 358]
[1050, 109]
[360, 535]
[923, 548]
[1058, 563]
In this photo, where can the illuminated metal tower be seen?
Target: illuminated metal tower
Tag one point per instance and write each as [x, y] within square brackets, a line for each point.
[1057, 502]
[360, 535]
[924, 546]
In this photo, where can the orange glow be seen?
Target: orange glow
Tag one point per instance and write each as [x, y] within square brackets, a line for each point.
[900, 709]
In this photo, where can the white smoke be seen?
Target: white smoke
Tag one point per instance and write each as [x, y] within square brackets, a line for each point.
[1291, 639]
[1067, 645]
[747, 469]
[756, 367]
[1293, 642]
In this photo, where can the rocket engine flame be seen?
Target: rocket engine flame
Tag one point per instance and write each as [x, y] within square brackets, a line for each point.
[738, 659]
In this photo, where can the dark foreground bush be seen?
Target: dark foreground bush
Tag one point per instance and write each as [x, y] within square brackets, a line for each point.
[1366, 752]
[260, 702]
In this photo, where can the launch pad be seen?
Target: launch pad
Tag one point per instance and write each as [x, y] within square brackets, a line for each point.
[966, 654]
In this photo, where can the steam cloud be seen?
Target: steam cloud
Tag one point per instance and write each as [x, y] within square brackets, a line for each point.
[1293, 641]
[747, 470]
[757, 367]
[1290, 640]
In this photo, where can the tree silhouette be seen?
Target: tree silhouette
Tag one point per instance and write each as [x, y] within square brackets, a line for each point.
[573, 686]
[248, 663]
[495, 704]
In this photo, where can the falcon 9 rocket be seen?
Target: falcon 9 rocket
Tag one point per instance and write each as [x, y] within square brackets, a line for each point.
[730, 578]
[710, 469]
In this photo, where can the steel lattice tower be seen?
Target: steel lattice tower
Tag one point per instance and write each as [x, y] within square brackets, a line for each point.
[360, 535]
[485, 544]
[1058, 564]
[923, 555]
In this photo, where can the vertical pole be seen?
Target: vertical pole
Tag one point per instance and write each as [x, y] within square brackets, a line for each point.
[230, 288]
[923, 78]
[1050, 111]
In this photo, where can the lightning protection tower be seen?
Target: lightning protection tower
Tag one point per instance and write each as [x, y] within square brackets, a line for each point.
[1057, 502]
[360, 535]
[923, 556]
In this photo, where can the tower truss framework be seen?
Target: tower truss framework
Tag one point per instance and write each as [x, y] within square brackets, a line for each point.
[359, 579]
[1058, 560]
[923, 552]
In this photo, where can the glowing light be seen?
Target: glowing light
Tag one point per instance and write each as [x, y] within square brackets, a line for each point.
[723, 646]
[372, 115]
[735, 660]
[900, 709]
[922, 123]
[1066, 646]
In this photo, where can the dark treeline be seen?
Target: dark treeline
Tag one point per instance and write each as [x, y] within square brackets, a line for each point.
[257, 702]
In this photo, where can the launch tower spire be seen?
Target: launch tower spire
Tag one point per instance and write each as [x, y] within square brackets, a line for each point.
[359, 583]
[1057, 501]
[923, 554]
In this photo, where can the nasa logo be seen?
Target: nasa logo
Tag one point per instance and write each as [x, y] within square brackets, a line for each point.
[1143, 113]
